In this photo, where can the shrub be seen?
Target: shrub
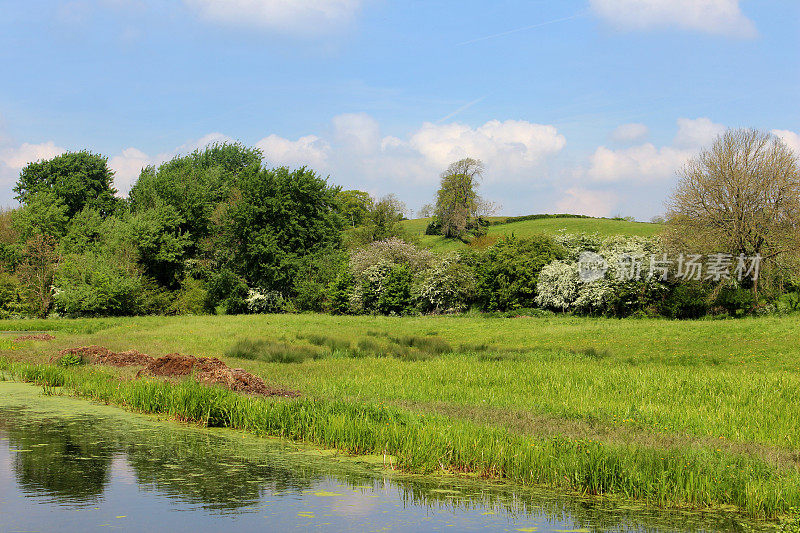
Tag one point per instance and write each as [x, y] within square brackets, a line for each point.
[190, 299]
[508, 271]
[558, 286]
[228, 290]
[735, 300]
[685, 300]
[94, 285]
[261, 301]
[70, 359]
[395, 296]
[392, 251]
[447, 286]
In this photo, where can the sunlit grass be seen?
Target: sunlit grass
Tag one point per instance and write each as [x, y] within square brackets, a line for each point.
[722, 391]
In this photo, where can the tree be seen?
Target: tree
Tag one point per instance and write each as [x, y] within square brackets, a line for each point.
[740, 196]
[383, 221]
[36, 272]
[275, 219]
[44, 213]
[355, 206]
[78, 179]
[194, 185]
[457, 201]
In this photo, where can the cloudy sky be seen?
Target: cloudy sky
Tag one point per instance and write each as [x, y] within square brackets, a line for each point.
[585, 106]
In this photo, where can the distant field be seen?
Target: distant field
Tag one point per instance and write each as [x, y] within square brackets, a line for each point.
[549, 226]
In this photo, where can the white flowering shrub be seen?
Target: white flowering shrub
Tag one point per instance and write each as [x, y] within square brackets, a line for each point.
[447, 286]
[558, 286]
[624, 287]
[260, 301]
[392, 251]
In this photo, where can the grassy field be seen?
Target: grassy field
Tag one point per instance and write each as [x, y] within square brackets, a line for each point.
[526, 228]
[705, 413]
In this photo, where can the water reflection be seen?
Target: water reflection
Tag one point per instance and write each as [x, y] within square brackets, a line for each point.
[123, 468]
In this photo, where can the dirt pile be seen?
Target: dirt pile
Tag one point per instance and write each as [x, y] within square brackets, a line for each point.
[208, 370]
[100, 355]
[238, 380]
[212, 371]
[176, 365]
[36, 337]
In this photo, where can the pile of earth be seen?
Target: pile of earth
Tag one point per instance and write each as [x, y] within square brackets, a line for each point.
[100, 355]
[36, 337]
[208, 370]
[212, 371]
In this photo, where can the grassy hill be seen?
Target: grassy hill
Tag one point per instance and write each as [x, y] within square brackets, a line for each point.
[526, 228]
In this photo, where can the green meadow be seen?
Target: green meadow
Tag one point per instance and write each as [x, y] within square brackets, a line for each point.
[528, 228]
[677, 413]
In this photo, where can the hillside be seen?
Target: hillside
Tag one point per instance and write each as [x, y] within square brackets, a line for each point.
[525, 228]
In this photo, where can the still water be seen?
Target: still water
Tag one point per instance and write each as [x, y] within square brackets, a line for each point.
[70, 465]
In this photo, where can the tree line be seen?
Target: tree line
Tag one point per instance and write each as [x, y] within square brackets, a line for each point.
[217, 231]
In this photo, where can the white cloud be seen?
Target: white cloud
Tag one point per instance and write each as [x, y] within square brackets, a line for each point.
[580, 201]
[696, 133]
[646, 162]
[628, 133]
[127, 166]
[359, 131]
[642, 163]
[790, 139]
[722, 17]
[309, 150]
[505, 147]
[304, 17]
[18, 157]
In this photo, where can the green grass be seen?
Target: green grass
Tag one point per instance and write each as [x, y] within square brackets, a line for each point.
[549, 226]
[701, 412]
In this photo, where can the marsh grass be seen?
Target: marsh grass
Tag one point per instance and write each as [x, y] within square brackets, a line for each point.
[271, 352]
[433, 443]
[708, 390]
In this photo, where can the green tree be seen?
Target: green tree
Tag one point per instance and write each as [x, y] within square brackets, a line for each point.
[78, 179]
[355, 206]
[44, 213]
[508, 272]
[194, 185]
[277, 217]
[96, 284]
[382, 221]
[457, 202]
[162, 243]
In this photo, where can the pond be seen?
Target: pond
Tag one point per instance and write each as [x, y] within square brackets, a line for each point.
[70, 465]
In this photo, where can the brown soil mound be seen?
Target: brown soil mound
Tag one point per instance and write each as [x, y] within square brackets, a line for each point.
[36, 337]
[126, 358]
[89, 353]
[175, 365]
[103, 356]
[212, 371]
[238, 380]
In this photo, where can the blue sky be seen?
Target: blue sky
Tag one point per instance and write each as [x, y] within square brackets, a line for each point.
[573, 105]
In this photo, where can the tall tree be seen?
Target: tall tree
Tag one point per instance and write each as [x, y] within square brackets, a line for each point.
[275, 219]
[739, 196]
[195, 184]
[457, 201]
[78, 179]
